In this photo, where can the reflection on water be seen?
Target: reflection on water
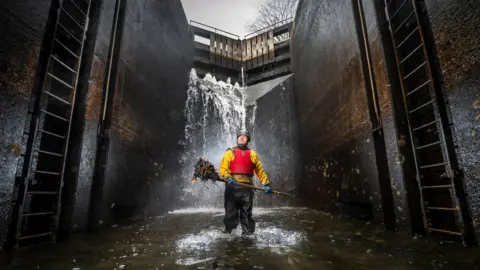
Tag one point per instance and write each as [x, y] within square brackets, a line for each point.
[285, 238]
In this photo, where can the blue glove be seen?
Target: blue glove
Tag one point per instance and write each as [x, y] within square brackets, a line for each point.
[230, 180]
[267, 189]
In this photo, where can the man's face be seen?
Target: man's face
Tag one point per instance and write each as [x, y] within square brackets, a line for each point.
[242, 140]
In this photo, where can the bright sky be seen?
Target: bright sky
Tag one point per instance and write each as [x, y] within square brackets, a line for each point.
[227, 15]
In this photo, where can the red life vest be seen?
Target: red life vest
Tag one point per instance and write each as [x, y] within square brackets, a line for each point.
[241, 163]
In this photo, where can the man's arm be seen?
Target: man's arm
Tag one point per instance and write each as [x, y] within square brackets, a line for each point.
[259, 171]
[225, 164]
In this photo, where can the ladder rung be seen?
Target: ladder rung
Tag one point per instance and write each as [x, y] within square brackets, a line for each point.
[79, 9]
[422, 106]
[63, 64]
[404, 22]
[54, 115]
[45, 172]
[442, 208]
[66, 48]
[438, 186]
[428, 145]
[38, 214]
[52, 134]
[445, 231]
[42, 192]
[73, 19]
[410, 54]
[60, 80]
[398, 10]
[424, 126]
[409, 35]
[50, 153]
[433, 165]
[415, 70]
[69, 33]
[57, 97]
[418, 88]
[35, 235]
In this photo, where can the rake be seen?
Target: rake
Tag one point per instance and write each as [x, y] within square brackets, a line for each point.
[204, 171]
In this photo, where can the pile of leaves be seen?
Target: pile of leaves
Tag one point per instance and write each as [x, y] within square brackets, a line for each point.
[204, 171]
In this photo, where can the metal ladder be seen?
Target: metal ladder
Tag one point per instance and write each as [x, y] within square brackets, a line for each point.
[39, 188]
[434, 174]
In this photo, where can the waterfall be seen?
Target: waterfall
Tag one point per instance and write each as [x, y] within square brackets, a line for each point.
[214, 113]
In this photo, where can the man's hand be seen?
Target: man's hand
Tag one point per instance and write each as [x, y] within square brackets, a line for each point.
[267, 189]
[230, 180]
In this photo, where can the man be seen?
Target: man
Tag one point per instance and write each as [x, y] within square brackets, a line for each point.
[238, 165]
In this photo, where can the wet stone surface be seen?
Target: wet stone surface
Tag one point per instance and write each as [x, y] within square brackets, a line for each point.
[285, 238]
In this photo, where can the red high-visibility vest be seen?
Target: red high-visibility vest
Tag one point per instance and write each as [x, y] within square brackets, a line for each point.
[241, 163]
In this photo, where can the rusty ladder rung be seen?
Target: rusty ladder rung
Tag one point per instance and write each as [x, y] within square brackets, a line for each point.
[422, 106]
[433, 165]
[59, 80]
[63, 64]
[409, 35]
[46, 172]
[35, 235]
[75, 4]
[437, 186]
[51, 134]
[424, 126]
[38, 214]
[410, 54]
[398, 10]
[42, 192]
[73, 19]
[66, 48]
[54, 115]
[404, 22]
[428, 145]
[57, 97]
[49, 153]
[69, 33]
[418, 88]
[415, 70]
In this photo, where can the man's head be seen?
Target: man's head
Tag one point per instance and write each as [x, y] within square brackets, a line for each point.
[243, 138]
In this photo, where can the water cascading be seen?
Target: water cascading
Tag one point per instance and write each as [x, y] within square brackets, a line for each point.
[214, 113]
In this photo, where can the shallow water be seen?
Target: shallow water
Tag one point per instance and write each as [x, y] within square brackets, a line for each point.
[285, 238]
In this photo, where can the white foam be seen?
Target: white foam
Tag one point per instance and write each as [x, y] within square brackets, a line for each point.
[257, 211]
[192, 261]
[273, 238]
[197, 210]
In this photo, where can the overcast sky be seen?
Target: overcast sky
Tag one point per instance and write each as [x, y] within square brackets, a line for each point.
[227, 15]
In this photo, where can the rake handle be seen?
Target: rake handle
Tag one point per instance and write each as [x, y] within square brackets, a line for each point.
[255, 187]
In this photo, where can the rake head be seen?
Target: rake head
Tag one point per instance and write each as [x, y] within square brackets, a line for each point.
[204, 171]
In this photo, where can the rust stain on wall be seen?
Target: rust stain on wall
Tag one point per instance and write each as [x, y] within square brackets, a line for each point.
[95, 97]
[124, 120]
[347, 115]
[457, 45]
[19, 77]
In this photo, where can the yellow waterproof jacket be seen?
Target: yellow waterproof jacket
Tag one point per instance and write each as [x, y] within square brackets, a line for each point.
[258, 169]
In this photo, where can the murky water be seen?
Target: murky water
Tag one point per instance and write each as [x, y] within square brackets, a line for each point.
[286, 238]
